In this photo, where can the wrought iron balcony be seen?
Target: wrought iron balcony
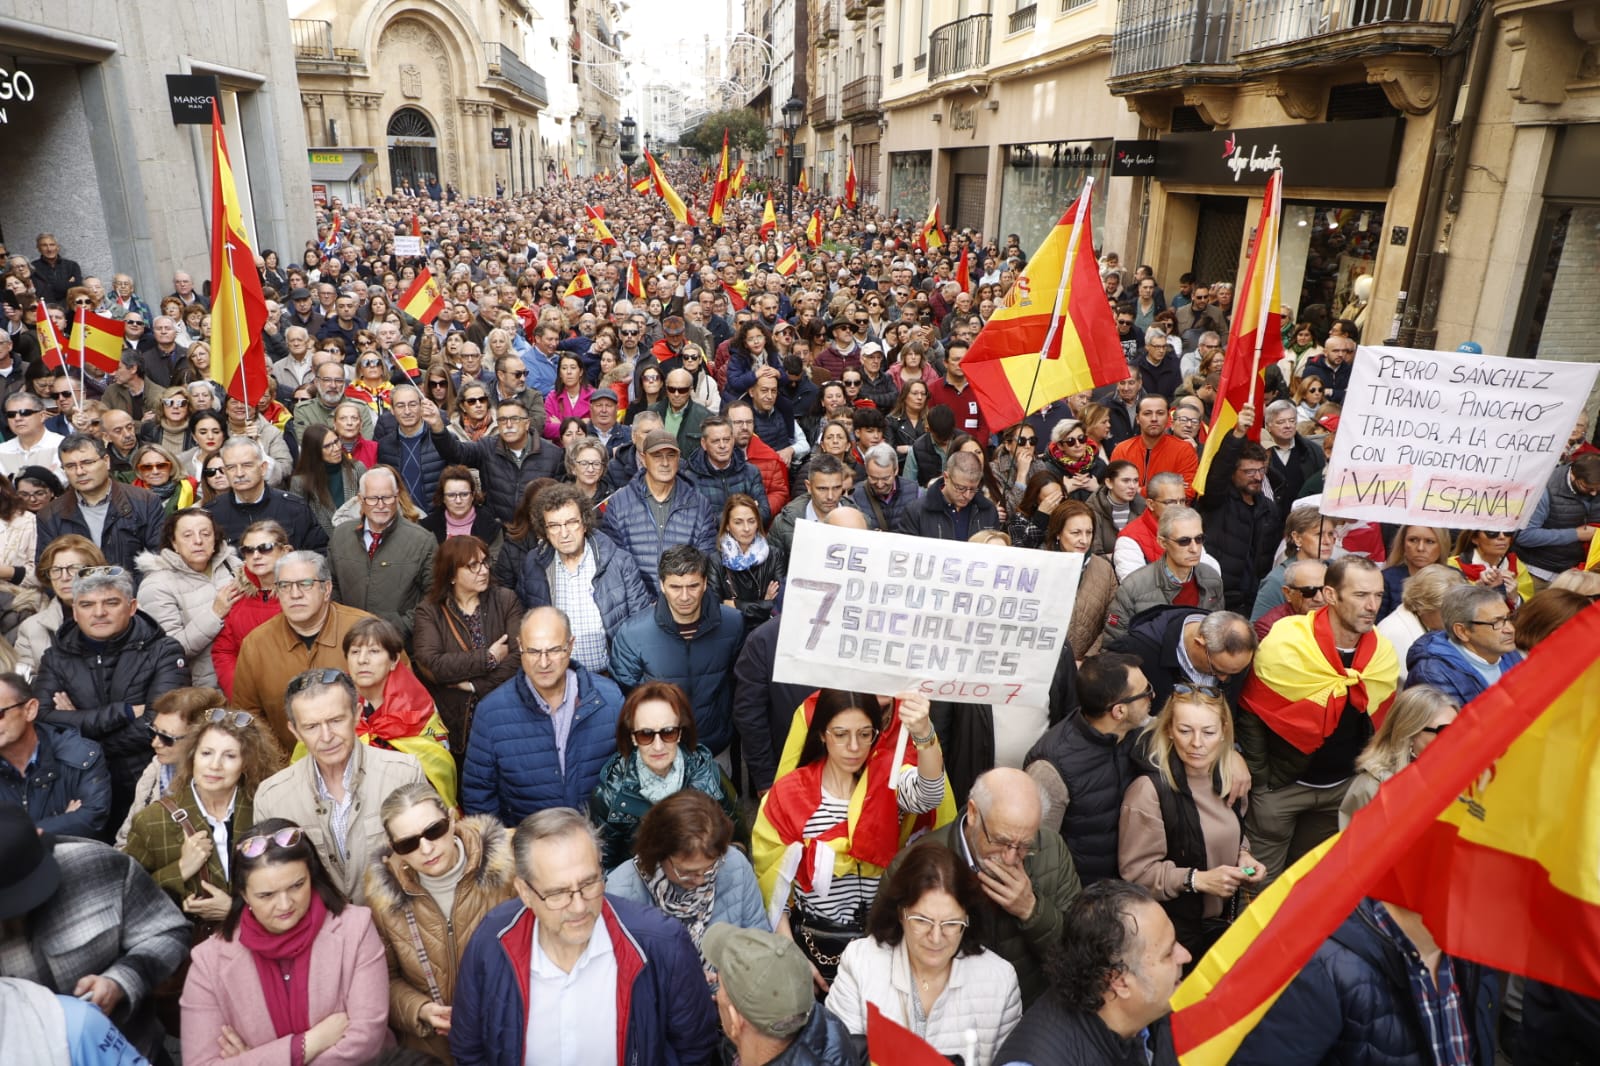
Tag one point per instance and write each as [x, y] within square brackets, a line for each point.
[1276, 23]
[826, 24]
[855, 10]
[313, 38]
[506, 64]
[958, 46]
[1155, 35]
[861, 97]
[824, 110]
[1023, 18]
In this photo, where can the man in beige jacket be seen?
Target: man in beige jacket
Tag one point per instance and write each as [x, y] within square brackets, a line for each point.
[334, 794]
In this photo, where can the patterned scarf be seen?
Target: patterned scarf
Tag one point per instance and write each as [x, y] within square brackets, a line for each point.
[734, 559]
[654, 787]
[1069, 466]
[691, 906]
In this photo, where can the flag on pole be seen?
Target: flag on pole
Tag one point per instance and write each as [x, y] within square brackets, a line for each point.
[719, 192]
[932, 237]
[814, 230]
[838, 210]
[769, 219]
[52, 345]
[546, 270]
[566, 174]
[642, 186]
[667, 192]
[332, 240]
[424, 300]
[736, 183]
[804, 185]
[416, 226]
[1058, 338]
[602, 232]
[580, 285]
[891, 1044]
[850, 184]
[238, 308]
[964, 271]
[1255, 340]
[635, 282]
[96, 341]
[1489, 835]
[736, 295]
[789, 261]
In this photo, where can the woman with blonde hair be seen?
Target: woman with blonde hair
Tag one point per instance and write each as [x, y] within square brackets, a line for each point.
[1419, 714]
[1178, 836]
[1420, 599]
[1411, 549]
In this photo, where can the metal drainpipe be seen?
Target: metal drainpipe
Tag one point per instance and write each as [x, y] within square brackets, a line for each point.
[1451, 141]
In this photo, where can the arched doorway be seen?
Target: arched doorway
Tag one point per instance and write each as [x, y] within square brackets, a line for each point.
[413, 151]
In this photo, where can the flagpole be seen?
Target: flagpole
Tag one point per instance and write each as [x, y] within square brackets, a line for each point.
[1264, 314]
[1067, 266]
[82, 391]
[83, 331]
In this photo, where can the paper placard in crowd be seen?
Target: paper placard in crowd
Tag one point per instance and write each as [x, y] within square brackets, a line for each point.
[1450, 439]
[408, 246]
[883, 612]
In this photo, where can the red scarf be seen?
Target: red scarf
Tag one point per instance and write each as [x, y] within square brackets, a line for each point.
[277, 954]
[406, 709]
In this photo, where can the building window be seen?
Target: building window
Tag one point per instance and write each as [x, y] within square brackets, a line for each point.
[1041, 179]
[910, 184]
[1560, 315]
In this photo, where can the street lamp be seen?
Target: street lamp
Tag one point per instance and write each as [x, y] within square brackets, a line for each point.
[793, 109]
[628, 148]
[649, 144]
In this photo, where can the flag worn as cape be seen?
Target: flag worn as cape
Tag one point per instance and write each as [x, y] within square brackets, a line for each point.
[238, 307]
[1492, 835]
[1298, 685]
[1057, 338]
[1255, 340]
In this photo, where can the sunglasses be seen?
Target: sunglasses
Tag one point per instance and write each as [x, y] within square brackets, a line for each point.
[223, 716]
[154, 468]
[216, 471]
[1209, 691]
[1434, 730]
[1307, 591]
[372, 362]
[259, 549]
[1035, 440]
[1184, 542]
[435, 831]
[475, 399]
[68, 395]
[645, 737]
[252, 847]
[1073, 442]
[29, 413]
[166, 740]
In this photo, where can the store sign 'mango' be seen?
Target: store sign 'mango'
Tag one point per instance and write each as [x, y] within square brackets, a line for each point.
[15, 88]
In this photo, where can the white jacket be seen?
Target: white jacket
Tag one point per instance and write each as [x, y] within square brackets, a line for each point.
[179, 598]
[981, 995]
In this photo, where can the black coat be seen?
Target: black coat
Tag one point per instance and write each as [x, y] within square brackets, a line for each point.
[484, 526]
[502, 475]
[930, 516]
[392, 450]
[748, 588]
[285, 508]
[1288, 479]
[1097, 769]
[1242, 537]
[133, 525]
[763, 709]
[1050, 1034]
[1153, 635]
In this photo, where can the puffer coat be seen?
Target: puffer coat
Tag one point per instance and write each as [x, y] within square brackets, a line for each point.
[179, 598]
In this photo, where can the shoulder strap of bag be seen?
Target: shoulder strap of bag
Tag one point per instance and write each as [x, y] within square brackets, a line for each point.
[184, 822]
[422, 953]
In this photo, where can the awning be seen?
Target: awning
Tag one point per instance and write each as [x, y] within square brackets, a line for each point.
[346, 164]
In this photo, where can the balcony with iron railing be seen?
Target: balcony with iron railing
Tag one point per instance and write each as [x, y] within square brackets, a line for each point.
[1268, 24]
[1155, 35]
[508, 66]
[959, 46]
[826, 20]
[1023, 18]
[860, 97]
[824, 110]
[313, 38]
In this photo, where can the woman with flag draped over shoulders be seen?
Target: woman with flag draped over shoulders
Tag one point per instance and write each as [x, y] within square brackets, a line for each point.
[831, 824]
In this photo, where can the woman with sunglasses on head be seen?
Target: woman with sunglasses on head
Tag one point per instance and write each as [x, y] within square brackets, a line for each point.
[1485, 557]
[657, 754]
[261, 546]
[1177, 835]
[923, 963]
[1416, 719]
[173, 716]
[59, 563]
[296, 974]
[184, 839]
[325, 476]
[190, 585]
[429, 890]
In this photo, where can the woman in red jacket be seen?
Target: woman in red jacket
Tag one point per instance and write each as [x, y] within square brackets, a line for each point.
[262, 545]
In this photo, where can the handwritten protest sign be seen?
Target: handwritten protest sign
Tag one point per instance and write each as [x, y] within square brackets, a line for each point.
[881, 613]
[408, 246]
[1453, 440]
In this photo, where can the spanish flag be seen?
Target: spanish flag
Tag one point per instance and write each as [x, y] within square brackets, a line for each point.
[602, 232]
[635, 282]
[814, 230]
[667, 192]
[1492, 836]
[891, 1044]
[238, 308]
[736, 183]
[964, 271]
[546, 270]
[1033, 352]
[423, 301]
[804, 185]
[96, 341]
[565, 173]
[580, 285]
[737, 295]
[642, 186]
[932, 237]
[52, 345]
[838, 211]
[1256, 340]
[1589, 563]
[789, 260]
[769, 219]
[719, 192]
[850, 184]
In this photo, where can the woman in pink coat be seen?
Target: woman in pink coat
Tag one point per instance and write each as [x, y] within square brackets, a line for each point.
[569, 398]
[296, 975]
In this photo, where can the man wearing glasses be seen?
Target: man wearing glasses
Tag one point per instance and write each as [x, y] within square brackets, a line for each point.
[382, 565]
[957, 508]
[506, 459]
[246, 463]
[121, 520]
[603, 979]
[1178, 577]
[539, 740]
[329, 382]
[1023, 867]
[845, 351]
[30, 443]
[1472, 651]
[52, 772]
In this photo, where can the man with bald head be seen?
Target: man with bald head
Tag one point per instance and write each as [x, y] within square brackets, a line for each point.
[1024, 869]
[681, 415]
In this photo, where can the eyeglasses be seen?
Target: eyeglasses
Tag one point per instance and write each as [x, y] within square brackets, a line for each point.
[68, 395]
[1022, 850]
[304, 586]
[852, 382]
[1496, 534]
[133, 322]
[65, 571]
[223, 716]
[1148, 694]
[252, 847]
[434, 831]
[518, 374]
[643, 738]
[166, 740]
[379, 501]
[259, 549]
[215, 471]
[1184, 542]
[1209, 691]
[1073, 442]
[562, 897]
[1503, 622]
[1308, 591]
[694, 877]
[560, 651]
[475, 399]
[478, 566]
[514, 420]
[845, 736]
[926, 926]
[371, 362]
[176, 401]
[154, 468]
[1434, 730]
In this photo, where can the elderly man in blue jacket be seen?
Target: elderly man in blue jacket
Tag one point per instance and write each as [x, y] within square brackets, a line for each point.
[653, 512]
[539, 740]
[609, 981]
[52, 772]
[687, 638]
[1473, 650]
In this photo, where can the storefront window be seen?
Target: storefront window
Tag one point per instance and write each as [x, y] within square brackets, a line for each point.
[910, 184]
[1561, 315]
[1041, 180]
[1337, 245]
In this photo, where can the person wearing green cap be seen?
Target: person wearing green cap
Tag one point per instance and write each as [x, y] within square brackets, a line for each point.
[766, 1002]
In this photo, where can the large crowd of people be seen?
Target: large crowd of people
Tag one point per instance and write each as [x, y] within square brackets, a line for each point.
[432, 712]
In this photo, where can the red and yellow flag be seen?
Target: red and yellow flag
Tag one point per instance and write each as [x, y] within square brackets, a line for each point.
[736, 183]
[416, 226]
[1490, 835]
[424, 300]
[736, 295]
[850, 184]
[789, 260]
[814, 230]
[838, 210]
[238, 308]
[932, 237]
[769, 219]
[1057, 338]
[1256, 340]
[52, 345]
[719, 192]
[635, 282]
[891, 1044]
[667, 192]
[580, 285]
[96, 341]
[642, 186]
[964, 271]
[602, 232]
[546, 270]
[804, 184]
[565, 173]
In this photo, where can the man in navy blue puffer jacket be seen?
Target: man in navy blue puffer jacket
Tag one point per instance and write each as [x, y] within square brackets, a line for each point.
[1353, 1003]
